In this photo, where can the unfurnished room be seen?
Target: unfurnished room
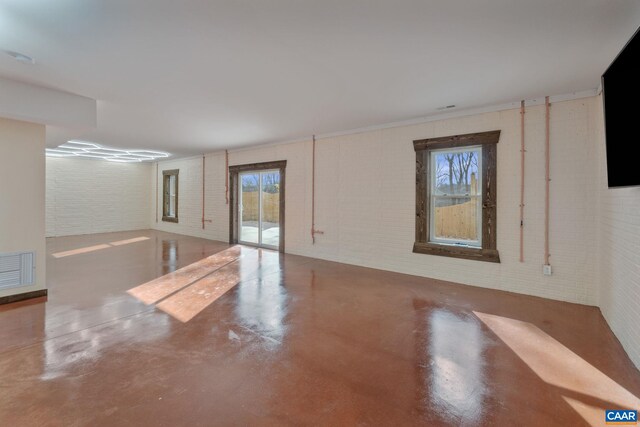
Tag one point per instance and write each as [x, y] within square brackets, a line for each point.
[319, 213]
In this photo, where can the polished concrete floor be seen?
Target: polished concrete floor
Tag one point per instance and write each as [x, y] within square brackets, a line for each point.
[258, 338]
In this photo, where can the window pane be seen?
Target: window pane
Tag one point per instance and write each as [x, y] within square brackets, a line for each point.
[270, 208]
[249, 207]
[456, 218]
[455, 172]
[172, 196]
[456, 197]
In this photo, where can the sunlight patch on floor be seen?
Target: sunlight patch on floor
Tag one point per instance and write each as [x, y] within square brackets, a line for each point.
[187, 303]
[594, 415]
[581, 384]
[160, 288]
[98, 247]
[80, 250]
[127, 241]
[187, 291]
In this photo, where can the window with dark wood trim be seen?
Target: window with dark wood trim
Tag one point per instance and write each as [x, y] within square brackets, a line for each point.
[439, 203]
[170, 195]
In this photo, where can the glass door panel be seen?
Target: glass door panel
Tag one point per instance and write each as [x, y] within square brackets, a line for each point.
[249, 208]
[270, 208]
[260, 208]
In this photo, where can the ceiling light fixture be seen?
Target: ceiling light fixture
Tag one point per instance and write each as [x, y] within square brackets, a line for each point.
[91, 150]
[20, 57]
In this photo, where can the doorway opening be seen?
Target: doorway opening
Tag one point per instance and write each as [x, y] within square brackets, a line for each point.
[257, 204]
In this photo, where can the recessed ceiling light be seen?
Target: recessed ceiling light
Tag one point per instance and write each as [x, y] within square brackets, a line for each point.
[95, 151]
[20, 57]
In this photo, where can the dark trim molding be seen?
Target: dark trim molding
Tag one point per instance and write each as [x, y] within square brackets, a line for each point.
[234, 199]
[24, 296]
[490, 255]
[454, 141]
[165, 192]
[279, 164]
[422, 147]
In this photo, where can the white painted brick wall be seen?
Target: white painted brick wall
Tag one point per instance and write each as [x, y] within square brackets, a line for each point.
[619, 254]
[190, 197]
[95, 196]
[365, 200]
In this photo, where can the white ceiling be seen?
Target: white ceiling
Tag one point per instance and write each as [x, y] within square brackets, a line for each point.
[196, 76]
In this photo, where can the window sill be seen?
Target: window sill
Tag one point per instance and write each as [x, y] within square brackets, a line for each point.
[453, 251]
[169, 219]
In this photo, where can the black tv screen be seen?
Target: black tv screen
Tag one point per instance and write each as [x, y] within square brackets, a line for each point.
[621, 94]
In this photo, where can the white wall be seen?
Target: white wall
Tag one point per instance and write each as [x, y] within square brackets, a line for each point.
[37, 104]
[365, 200]
[22, 188]
[619, 255]
[190, 198]
[95, 196]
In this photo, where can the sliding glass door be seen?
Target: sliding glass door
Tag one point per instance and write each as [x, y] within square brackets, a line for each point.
[259, 206]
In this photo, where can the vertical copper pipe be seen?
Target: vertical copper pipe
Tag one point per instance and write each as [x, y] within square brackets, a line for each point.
[203, 191]
[226, 175]
[522, 151]
[157, 192]
[547, 180]
[313, 191]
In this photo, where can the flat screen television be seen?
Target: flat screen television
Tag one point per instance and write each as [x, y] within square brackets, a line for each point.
[621, 95]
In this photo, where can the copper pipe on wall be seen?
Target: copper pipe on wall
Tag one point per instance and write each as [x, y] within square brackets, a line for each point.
[157, 191]
[313, 193]
[522, 151]
[547, 180]
[203, 191]
[226, 175]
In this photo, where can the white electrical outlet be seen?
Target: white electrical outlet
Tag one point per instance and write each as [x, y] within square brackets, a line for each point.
[546, 269]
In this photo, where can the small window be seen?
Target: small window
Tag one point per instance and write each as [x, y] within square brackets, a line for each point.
[456, 196]
[456, 202]
[170, 195]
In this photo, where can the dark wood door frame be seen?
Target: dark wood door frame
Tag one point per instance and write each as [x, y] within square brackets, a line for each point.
[234, 198]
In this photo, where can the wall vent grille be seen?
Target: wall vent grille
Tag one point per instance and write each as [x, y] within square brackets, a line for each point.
[17, 269]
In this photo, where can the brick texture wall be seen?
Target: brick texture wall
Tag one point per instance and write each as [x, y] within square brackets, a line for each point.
[365, 200]
[619, 254]
[96, 196]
